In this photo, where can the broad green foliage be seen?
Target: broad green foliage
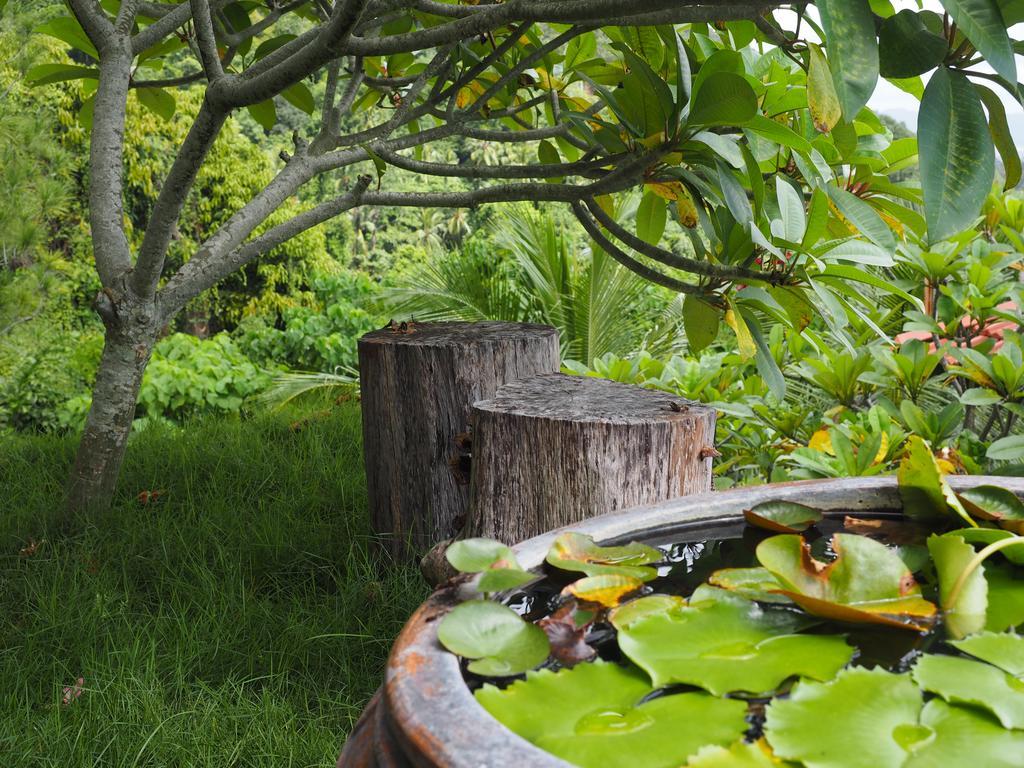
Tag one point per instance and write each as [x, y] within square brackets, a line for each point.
[594, 716]
[724, 643]
[494, 637]
[578, 552]
[782, 516]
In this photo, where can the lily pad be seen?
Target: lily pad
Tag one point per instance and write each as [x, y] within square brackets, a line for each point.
[965, 738]
[723, 643]
[1002, 649]
[964, 681]
[633, 610]
[751, 583]
[861, 719]
[985, 536]
[578, 552]
[782, 516]
[866, 583]
[606, 590]
[1005, 597]
[495, 562]
[594, 716]
[739, 755]
[964, 611]
[495, 637]
[925, 493]
[990, 502]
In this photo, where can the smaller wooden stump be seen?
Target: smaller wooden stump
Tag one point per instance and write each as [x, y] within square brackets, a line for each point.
[554, 450]
[418, 383]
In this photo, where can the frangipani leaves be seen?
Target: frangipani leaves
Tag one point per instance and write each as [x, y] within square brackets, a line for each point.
[782, 516]
[724, 643]
[495, 637]
[592, 716]
[578, 552]
[1002, 649]
[606, 590]
[866, 583]
[854, 721]
[963, 681]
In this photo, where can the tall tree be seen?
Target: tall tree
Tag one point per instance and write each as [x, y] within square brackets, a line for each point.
[697, 102]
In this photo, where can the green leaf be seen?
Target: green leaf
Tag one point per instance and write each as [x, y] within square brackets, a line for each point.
[791, 208]
[1004, 650]
[982, 24]
[495, 637]
[46, 74]
[475, 555]
[822, 98]
[853, 721]
[734, 195]
[907, 48]
[596, 716]
[269, 46]
[299, 96]
[1008, 448]
[701, 322]
[963, 681]
[724, 98]
[778, 133]
[264, 113]
[782, 516]
[964, 612]
[999, 128]
[979, 396]
[852, 51]
[990, 502]
[924, 491]
[158, 101]
[578, 552]
[963, 738]
[957, 155]
[866, 582]
[68, 30]
[651, 216]
[722, 643]
[863, 217]
[986, 536]
[752, 583]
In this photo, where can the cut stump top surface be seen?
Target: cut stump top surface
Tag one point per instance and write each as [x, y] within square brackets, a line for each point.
[456, 334]
[560, 397]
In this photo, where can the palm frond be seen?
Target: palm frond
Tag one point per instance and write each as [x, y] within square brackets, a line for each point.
[292, 384]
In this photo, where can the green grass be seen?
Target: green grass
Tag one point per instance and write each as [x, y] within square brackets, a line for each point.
[242, 620]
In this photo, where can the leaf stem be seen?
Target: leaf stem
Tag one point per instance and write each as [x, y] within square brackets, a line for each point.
[975, 562]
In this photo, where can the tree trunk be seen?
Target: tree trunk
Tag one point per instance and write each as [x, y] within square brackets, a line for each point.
[555, 450]
[101, 449]
[418, 382]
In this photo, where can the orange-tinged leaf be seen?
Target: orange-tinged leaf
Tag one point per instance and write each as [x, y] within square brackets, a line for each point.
[914, 613]
[670, 190]
[606, 591]
[821, 441]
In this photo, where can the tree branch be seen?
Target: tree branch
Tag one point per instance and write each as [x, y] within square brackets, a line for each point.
[95, 23]
[206, 40]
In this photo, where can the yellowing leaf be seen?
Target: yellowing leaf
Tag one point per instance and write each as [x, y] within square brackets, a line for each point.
[821, 441]
[463, 98]
[670, 190]
[606, 591]
[745, 340]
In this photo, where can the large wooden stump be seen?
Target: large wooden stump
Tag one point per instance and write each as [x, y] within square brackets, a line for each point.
[418, 383]
[554, 450]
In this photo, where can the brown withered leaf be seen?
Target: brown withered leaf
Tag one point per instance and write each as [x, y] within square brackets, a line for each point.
[896, 532]
[568, 646]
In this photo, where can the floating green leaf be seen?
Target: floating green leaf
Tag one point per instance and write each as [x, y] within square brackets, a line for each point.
[866, 583]
[782, 516]
[495, 637]
[495, 562]
[592, 716]
[957, 155]
[1015, 554]
[578, 552]
[963, 681]
[751, 583]
[724, 643]
[959, 737]
[739, 755]
[1002, 649]
[853, 721]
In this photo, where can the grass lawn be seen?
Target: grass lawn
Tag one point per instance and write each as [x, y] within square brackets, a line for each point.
[242, 619]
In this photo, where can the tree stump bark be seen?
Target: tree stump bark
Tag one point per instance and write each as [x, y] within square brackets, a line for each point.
[555, 450]
[419, 381]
